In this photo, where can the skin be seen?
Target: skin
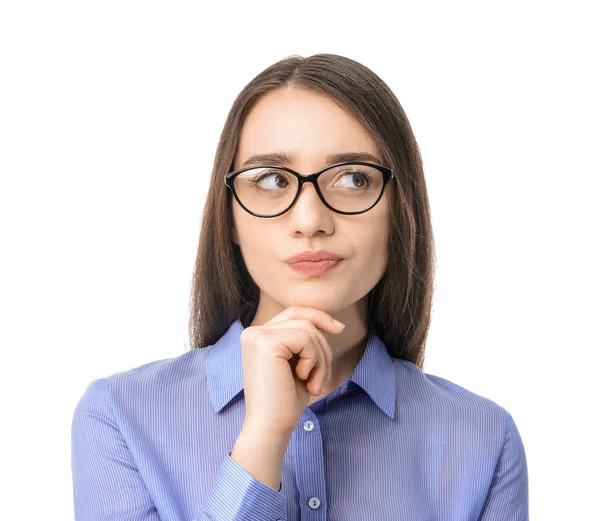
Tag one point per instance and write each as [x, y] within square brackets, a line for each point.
[309, 126]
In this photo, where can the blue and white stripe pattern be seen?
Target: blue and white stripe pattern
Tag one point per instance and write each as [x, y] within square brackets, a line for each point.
[391, 443]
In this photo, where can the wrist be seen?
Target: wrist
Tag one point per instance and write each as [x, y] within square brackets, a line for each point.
[264, 438]
[261, 430]
[261, 454]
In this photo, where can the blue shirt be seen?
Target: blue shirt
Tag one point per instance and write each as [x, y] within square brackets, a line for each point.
[391, 443]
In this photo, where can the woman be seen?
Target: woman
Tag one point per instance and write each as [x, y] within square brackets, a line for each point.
[278, 411]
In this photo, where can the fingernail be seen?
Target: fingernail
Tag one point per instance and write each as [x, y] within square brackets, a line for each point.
[338, 323]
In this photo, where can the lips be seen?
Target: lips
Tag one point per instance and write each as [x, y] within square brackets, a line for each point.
[314, 268]
[313, 256]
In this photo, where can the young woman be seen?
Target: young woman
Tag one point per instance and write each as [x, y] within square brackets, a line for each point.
[317, 212]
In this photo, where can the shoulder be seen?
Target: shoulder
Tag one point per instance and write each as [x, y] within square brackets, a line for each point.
[435, 389]
[166, 373]
[449, 403]
[153, 384]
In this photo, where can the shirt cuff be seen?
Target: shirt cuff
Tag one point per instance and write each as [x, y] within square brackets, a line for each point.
[237, 496]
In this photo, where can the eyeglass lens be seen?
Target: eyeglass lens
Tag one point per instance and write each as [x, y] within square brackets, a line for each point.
[347, 188]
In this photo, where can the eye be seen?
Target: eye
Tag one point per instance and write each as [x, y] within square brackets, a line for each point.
[366, 179]
[254, 181]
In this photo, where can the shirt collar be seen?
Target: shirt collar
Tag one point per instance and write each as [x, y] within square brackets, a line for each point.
[374, 373]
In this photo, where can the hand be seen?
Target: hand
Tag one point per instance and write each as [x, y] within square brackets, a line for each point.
[284, 362]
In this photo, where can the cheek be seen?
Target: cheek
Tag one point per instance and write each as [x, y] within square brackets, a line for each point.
[374, 247]
[257, 244]
[245, 229]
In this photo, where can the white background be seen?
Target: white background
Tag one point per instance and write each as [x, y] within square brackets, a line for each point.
[110, 113]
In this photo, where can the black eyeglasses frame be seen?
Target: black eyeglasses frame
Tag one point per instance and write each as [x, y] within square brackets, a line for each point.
[388, 174]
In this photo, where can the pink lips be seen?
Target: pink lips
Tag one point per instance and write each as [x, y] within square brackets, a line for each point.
[313, 256]
[314, 268]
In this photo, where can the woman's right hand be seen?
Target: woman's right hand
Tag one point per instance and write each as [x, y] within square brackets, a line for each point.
[284, 362]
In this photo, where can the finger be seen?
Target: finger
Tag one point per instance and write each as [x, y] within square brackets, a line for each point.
[319, 318]
[320, 342]
[316, 377]
[310, 353]
[304, 344]
[319, 339]
[328, 354]
[325, 353]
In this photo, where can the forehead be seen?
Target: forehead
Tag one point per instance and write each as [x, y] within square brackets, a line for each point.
[309, 126]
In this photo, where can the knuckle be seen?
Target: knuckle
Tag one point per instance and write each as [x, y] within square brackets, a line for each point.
[314, 339]
[318, 344]
[308, 336]
[251, 335]
[307, 323]
[260, 339]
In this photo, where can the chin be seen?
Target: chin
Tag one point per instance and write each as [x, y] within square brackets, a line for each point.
[327, 302]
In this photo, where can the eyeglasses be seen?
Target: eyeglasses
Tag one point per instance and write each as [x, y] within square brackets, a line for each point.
[348, 188]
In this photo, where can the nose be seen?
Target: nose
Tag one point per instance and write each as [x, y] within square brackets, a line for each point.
[311, 201]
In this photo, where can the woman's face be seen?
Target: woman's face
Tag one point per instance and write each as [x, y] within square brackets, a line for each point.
[309, 127]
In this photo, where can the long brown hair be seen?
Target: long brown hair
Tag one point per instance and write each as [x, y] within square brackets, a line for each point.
[400, 303]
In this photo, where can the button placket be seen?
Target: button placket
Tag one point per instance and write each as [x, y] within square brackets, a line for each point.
[309, 460]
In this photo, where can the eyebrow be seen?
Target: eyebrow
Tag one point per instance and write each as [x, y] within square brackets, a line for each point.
[283, 158]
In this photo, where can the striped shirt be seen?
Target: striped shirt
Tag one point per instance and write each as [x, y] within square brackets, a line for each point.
[390, 443]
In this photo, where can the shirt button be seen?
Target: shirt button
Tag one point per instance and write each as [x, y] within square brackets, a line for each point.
[314, 502]
[308, 425]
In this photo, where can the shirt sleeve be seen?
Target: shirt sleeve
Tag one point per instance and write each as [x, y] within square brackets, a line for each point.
[106, 482]
[237, 496]
[508, 495]
[107, 485]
